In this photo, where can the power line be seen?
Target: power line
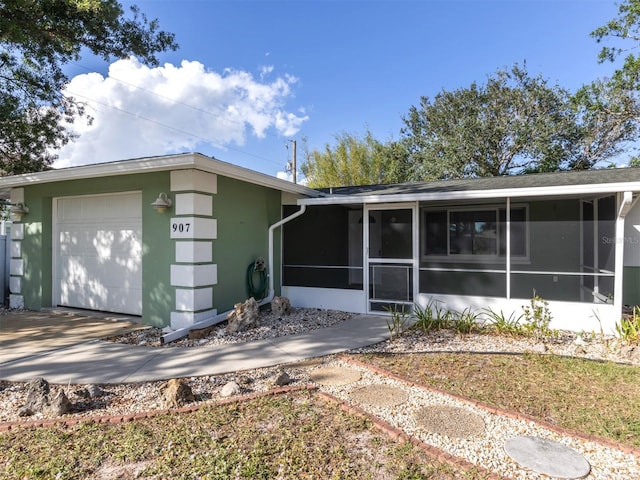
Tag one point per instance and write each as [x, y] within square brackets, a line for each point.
[208, 140]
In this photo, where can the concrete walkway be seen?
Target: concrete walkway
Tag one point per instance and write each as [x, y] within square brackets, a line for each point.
[96, 361]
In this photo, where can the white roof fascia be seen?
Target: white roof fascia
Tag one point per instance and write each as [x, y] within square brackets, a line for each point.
[156, 164]
[560, 190]
[251, 176]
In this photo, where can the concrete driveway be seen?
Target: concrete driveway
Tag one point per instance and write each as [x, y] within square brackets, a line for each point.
[24, 333]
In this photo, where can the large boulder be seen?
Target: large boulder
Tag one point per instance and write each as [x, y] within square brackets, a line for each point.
[40, 399]
[243, 316]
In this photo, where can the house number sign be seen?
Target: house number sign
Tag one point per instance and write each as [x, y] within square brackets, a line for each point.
[193, 227]
[180, 227]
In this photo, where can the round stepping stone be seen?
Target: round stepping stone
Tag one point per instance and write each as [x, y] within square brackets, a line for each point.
[379, 396]
[452, 422]
[335, 376]
[547, 457]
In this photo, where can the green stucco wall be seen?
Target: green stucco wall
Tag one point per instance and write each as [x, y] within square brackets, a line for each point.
[244, 213]
[631, 292]
[157, 297]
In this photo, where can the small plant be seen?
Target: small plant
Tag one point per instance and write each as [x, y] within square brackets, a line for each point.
[603, 338]
[503, 325]
[628, 329]
[425, 320]
[398, 321]
[537, 318]
[466, 321]
[443, 318]
[432, 317]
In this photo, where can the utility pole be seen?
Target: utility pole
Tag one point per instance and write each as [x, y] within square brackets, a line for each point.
[294, 166]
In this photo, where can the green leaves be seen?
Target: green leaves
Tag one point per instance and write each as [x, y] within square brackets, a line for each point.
[512, 124]
[37, 37]
[516, 124]
[624, 31]
[354, 160]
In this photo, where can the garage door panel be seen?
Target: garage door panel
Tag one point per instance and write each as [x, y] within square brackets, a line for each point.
[99, 252]
[97, 297]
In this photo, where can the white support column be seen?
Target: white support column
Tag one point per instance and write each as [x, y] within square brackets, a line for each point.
[16, 263]
[194, 230]
[508, 248]
[596, 244]
[625, 202]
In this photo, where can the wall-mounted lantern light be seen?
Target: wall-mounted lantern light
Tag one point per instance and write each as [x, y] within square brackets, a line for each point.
[161, 203]
[19, 210]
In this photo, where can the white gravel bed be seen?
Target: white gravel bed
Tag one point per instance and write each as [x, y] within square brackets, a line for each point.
[123, 399]
[595, 348]
[486, 450]
[300, 320]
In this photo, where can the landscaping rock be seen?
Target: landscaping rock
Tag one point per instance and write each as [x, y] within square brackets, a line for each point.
[201, 332]
[90, 391]
[243, 316]
[39, 400]
[230, 389]
[282, 379]
[58, 405]
[37, 395]
[176, 393]
[244, 380]
[631, 353]
[281, 306]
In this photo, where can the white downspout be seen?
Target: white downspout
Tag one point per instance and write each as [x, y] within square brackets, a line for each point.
[176, 334]
[625, 205]
[270, 268]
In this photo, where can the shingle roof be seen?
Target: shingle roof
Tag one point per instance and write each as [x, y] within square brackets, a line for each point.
[556, 179]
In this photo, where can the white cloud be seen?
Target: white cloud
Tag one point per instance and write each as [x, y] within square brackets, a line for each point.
[140, 111]
[288, 176]
[265, 71]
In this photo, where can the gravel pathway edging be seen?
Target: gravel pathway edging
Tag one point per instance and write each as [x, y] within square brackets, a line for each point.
[608, 460]
[607, 442]
[129, 417]
[401, 437]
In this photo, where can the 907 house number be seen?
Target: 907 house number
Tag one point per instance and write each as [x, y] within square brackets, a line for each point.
[180, 227]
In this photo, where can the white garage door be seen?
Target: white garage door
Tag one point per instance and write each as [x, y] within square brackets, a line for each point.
[98, 264]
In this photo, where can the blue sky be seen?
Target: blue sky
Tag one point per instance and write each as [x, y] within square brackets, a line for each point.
[261, 73]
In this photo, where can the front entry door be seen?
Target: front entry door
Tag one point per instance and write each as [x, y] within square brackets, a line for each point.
[389, 244]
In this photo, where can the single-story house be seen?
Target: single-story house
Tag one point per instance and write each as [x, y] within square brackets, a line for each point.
[171, 238]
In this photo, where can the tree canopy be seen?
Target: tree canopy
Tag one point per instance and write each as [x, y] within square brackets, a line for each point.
[511, 124]
[37, 38]
[354, 160]
[624, 30]
[515, 124]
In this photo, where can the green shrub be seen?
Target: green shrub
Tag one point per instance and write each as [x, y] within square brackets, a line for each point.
[503, 325]
[628, 329]
[431, 317]
[466, 321]
[398, 321]
[537, 318]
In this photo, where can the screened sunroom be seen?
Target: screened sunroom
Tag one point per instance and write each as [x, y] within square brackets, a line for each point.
[471, 244]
